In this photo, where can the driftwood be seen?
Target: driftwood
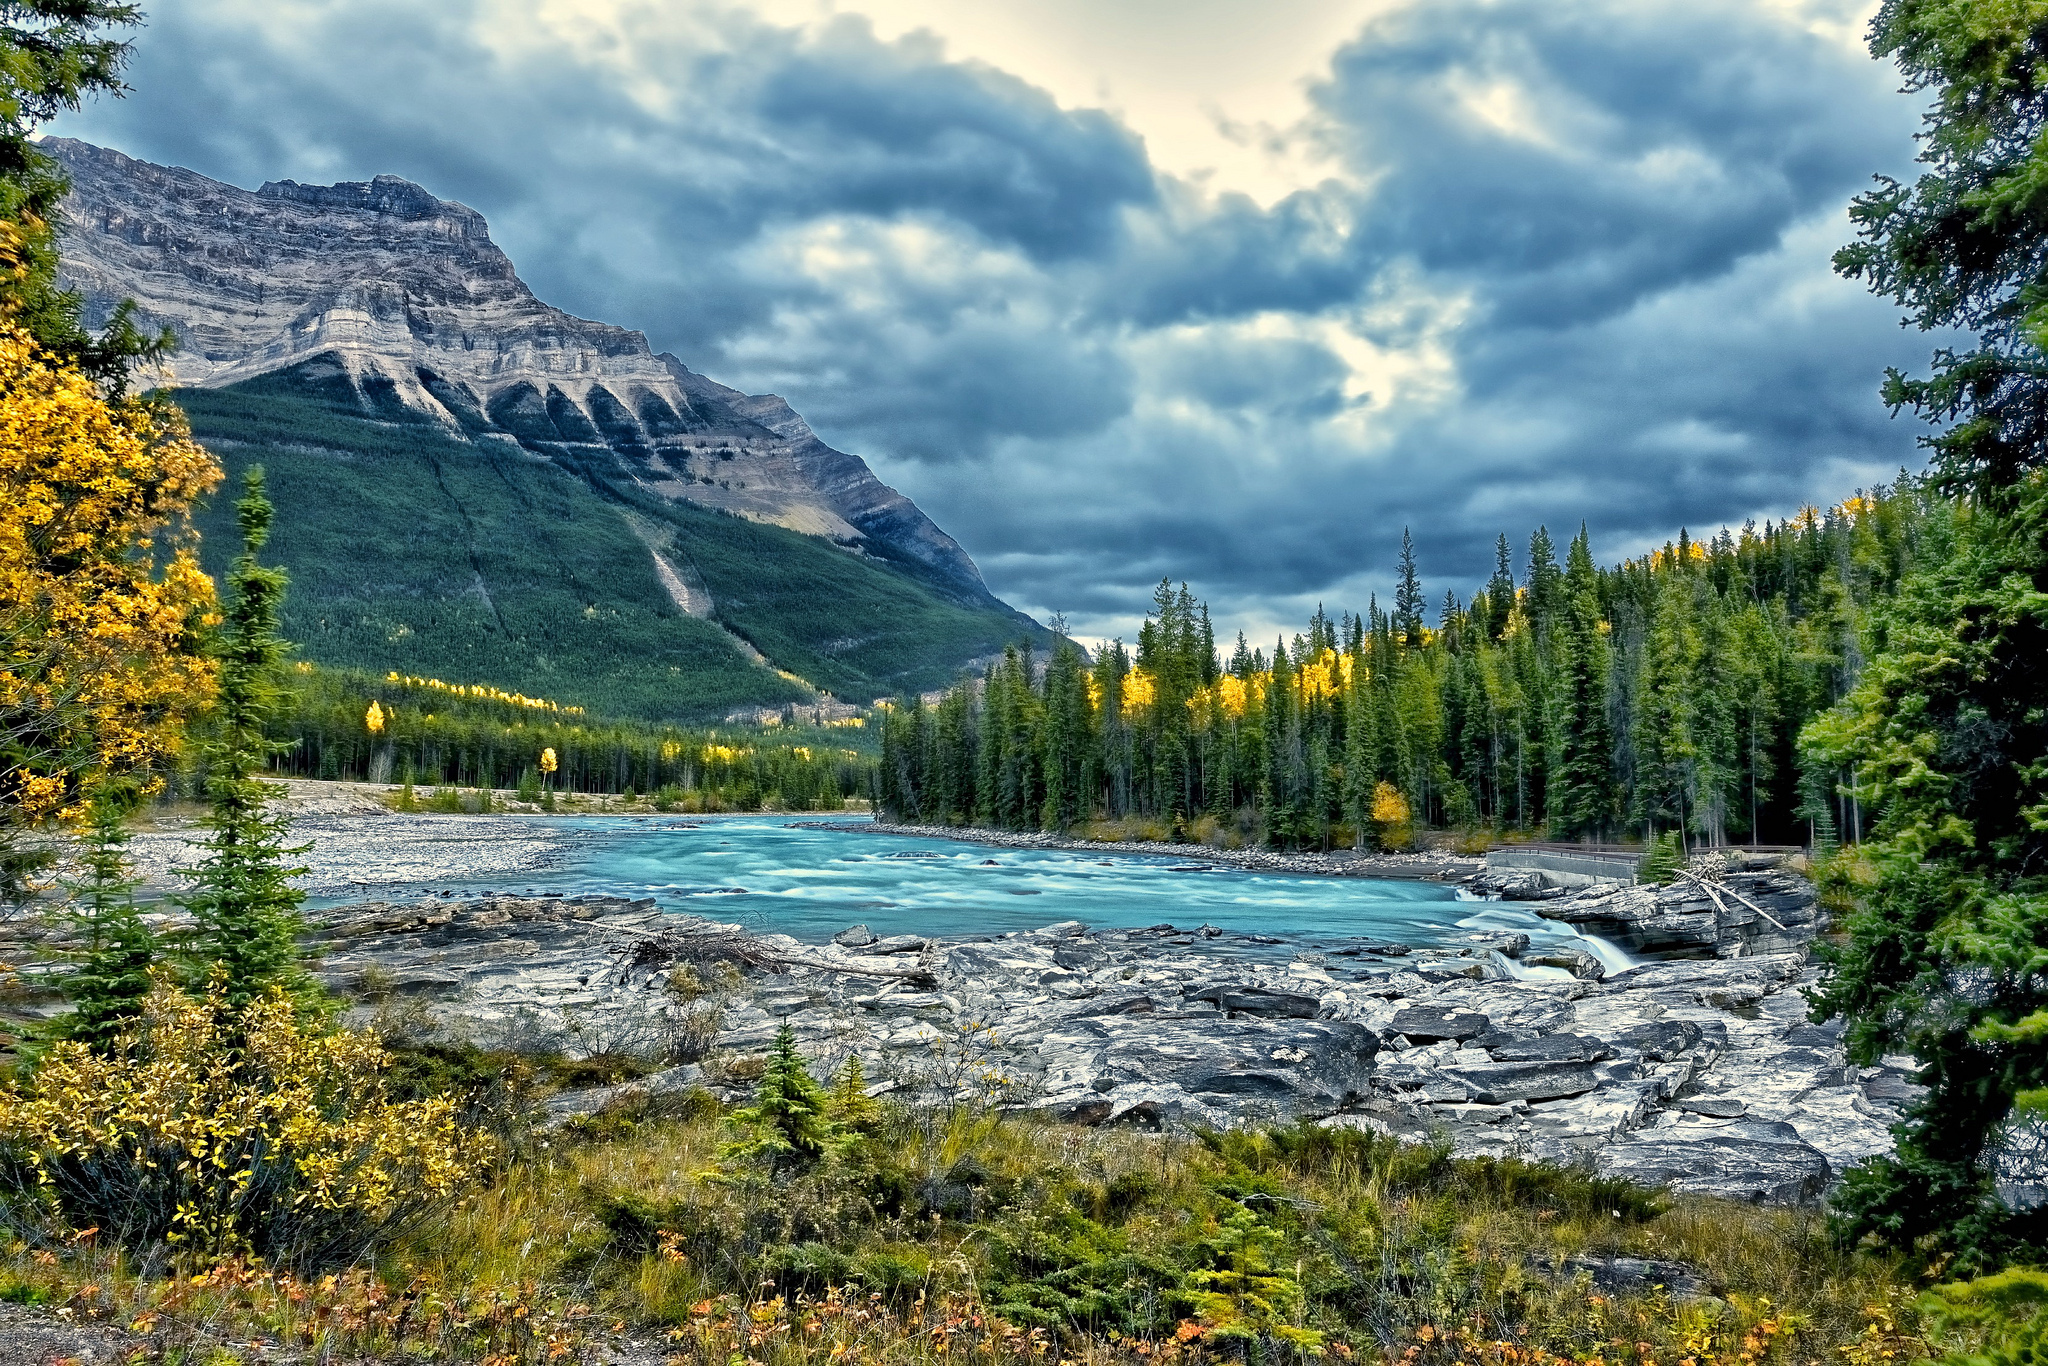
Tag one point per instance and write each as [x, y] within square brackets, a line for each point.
[1714, 892]
[651, 952]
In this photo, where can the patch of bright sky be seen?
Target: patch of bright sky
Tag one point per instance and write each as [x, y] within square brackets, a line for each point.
[1215, 87]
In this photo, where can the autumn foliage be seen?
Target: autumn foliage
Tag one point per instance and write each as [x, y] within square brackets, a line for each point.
[221, 1132]
[99, 665]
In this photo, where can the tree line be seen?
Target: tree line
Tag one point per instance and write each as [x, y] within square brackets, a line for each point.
[426, 732]
[1666, 693]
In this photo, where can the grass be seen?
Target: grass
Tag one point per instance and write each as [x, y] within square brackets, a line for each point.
[419, 549]
[971, 1234]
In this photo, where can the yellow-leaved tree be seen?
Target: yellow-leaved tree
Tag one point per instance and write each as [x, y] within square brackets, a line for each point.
[102, 602]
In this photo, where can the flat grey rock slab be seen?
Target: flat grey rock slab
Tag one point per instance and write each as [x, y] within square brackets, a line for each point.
[1756, 1161]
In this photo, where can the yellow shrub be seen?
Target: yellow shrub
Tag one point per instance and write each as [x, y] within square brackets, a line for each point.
[217, 1134]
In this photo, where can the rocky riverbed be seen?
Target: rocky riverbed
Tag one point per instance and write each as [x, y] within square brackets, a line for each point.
[1698, 1072]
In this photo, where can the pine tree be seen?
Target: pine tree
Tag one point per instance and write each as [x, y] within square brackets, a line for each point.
[1667, 715]
[245, 909]
[1500, 589]
[1546, 584]
[119, 951]
[1066, 739]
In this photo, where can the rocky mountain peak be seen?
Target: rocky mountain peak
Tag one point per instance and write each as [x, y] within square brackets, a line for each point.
[382, 295]
[387, 194]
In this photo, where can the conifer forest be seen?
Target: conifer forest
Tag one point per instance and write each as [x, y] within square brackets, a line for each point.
[1663, 694]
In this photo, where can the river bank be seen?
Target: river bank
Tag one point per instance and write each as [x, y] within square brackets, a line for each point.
[1418, 866]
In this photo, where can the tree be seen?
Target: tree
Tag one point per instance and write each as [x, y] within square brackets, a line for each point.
[1963, 246]
[1581, 797]
[100, 658]
[112, 980]
[1545, 583]
[53, 55]
[1408, 602]
[790, 1122]
[1500, 589]
[1949, 742]
[243, 903]
[1944, 734]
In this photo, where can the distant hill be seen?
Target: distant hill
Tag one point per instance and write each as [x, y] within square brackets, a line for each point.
[474, 484]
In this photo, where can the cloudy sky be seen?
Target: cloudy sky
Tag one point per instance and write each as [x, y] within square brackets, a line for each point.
[1116, 289]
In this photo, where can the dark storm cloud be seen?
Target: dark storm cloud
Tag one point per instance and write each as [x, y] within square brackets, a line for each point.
[1576, 254]
[1574, 157]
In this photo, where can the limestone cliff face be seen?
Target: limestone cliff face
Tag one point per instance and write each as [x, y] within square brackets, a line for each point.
[403, 299]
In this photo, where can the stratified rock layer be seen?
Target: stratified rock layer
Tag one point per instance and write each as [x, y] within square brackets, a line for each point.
[1697, 1073]
[383, 293]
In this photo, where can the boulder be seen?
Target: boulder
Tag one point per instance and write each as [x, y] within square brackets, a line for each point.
[1578, 962]
[1550, 1048]
[1430, 1024]
[855, 937]
[1735, 997]
[1260, 1001]
[1762, 1162]
[1499, 1083]
[1659, 1040]
[1638, 1276]
[899, 943]
[1221, 1065]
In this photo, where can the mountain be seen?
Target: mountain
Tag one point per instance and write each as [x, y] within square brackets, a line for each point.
[474, 483]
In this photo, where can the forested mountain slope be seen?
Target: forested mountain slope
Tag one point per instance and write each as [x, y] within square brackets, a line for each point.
[473, 484]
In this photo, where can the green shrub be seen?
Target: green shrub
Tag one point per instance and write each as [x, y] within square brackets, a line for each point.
[1663, 860]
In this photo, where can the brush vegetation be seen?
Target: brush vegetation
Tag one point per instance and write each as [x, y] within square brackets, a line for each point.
[964, 1232]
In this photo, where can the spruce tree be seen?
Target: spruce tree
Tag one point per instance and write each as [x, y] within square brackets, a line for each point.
[1945, 733]
[1500, 589]
[118, 951]
[243, 904]
[1408, 601]
[1581, 797]
[1545, 583]
[790, 1122]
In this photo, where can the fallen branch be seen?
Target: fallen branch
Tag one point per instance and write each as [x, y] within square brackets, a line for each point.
[652, 951]
[1716, 895]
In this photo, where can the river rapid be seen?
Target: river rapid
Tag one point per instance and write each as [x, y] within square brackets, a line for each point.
[788, 875]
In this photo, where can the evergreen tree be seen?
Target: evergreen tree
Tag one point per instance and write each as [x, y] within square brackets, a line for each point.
[790, 1122]
[1546, 584]
[245, 910]
[1408, 601]
[1945, 733]
[119, 951]
[1067, 740]
[1500, 589]
[1581, 797]
[1666, 735]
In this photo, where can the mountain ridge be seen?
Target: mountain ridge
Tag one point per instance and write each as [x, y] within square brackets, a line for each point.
[473, 483]
[415, 307]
